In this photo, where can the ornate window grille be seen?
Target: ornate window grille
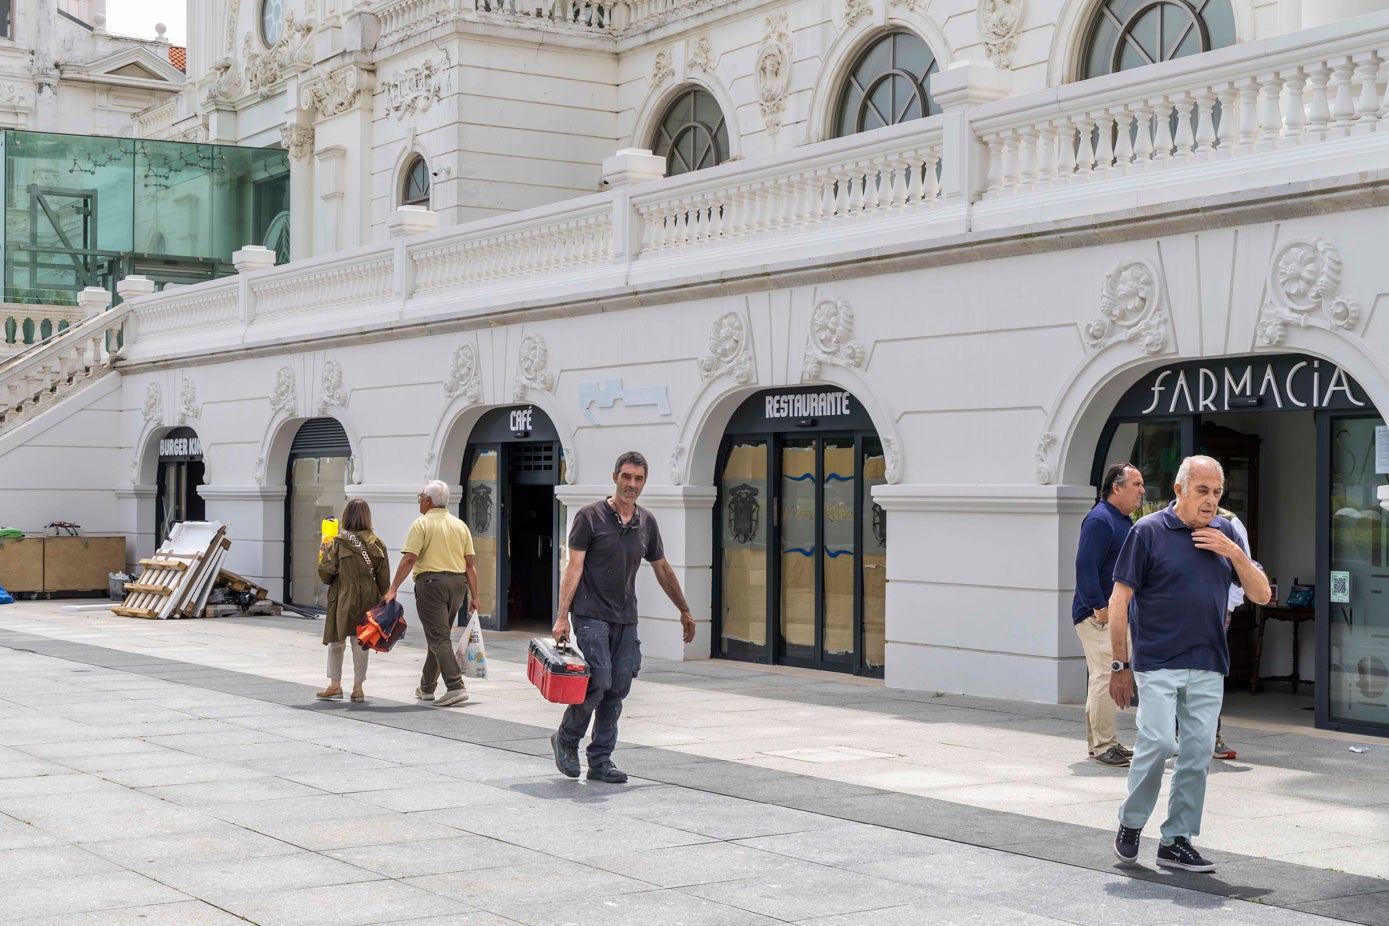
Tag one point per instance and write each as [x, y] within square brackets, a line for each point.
[887, 85]
[1126, 34]
[692, 134]
[415, 191]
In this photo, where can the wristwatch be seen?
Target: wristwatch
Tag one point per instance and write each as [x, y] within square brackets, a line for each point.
[1117, 666]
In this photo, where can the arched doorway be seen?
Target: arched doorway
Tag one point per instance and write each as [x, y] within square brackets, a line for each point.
[510, 469]
[316, 484]
[800, 545]
[1304, 452]
[179, 475]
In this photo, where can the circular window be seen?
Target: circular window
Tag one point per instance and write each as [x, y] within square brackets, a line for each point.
[887, 85]
[415, 191]
[1126, 34]
[272, 21]
[692, 134]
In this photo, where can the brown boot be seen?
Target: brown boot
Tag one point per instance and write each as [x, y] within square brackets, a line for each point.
[332, 693]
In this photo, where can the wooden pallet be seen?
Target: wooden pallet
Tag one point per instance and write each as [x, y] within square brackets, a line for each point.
[177, 580]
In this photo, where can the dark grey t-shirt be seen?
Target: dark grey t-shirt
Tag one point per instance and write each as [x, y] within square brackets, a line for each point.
[613, 554]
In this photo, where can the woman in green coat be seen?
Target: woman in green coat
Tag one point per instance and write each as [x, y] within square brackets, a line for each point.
[354, 566]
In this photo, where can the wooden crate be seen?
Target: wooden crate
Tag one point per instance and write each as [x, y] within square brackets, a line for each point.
[81, 564]
[21, 565]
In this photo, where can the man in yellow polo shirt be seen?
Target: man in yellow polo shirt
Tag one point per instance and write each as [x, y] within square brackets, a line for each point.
[438, 552]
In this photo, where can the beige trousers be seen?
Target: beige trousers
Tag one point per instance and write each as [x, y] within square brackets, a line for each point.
[359, 662]
[1099, 706]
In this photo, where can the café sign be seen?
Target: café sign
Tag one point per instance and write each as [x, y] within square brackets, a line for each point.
[1287, 382]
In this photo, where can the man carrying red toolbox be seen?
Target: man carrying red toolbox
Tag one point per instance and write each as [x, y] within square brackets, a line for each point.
[609, 540]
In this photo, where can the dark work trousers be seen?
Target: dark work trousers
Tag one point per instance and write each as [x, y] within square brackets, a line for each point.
[438, 596]
[613, 653]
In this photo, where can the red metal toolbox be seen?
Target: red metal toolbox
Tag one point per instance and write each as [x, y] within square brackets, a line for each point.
[560, 673]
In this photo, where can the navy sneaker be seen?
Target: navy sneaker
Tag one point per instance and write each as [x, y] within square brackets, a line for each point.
[1182, 854]
[1126, 844]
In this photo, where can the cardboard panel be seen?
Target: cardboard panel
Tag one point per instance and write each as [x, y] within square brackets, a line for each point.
[81, 564]
[21, 564]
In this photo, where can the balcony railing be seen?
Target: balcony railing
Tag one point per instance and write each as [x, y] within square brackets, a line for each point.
[1241, 118]
[403, 18]
[46, 373]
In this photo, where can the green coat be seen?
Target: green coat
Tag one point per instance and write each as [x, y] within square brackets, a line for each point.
[352, 587]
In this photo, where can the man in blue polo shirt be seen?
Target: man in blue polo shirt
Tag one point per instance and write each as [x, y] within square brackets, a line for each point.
[1171, 583]
[1102, 535]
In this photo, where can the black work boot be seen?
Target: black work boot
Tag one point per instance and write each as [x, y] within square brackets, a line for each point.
[566, 757]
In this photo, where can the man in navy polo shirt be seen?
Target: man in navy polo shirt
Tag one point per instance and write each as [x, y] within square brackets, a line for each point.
[1102, 535]
[598, 600]
[1172, 582]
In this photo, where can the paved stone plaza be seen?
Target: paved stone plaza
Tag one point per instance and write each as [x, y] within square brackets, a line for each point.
[181, 773]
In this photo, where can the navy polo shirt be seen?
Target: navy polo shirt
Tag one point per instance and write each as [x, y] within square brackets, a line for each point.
[1177, 616]
[1102, 535]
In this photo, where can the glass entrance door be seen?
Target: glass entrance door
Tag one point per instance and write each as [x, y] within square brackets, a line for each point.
[482, 512]
[1353, 587]
[799, 516]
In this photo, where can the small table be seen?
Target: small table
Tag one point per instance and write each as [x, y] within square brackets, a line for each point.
[1261, 616]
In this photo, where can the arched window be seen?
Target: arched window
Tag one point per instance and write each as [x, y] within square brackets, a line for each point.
[692, 134]
[415, 189]
[1127, 34]
[887, 85]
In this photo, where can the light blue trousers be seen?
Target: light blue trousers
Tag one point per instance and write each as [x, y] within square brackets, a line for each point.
[1166, 696]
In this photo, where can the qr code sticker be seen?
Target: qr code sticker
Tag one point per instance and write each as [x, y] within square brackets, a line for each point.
[1340, 586]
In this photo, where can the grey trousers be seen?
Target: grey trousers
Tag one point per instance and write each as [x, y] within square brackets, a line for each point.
[359, 661]
[438, 598]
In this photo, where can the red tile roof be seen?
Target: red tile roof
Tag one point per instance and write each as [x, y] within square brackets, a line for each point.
[178, 57]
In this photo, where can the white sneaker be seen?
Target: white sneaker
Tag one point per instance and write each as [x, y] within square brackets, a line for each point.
[450, 698]
[422, 695]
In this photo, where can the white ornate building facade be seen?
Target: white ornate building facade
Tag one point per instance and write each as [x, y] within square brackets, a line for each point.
[900, 276]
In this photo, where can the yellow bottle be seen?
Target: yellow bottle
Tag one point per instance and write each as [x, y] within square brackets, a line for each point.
[329, 530]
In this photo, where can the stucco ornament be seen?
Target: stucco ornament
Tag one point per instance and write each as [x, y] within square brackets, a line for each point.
[1130, 310]
[188, 407]
[531, 361]
[153, 401]
[701, 55]
[1304, 285]
[224, 81]
[233, 13]
[12, 95]
[1046, 473]
[282, 397]
[463, 375]
[571, 464]
[355, 470]
[1000, 21]
[831, 331]
[728, 350]
[854, 10]
[332, 393]
[677, 455]
[417, 89]
[337, 91]
[291, 53]
[913, 5]
[299, 139]
[892, 463]
[260, 471]
[663, 68]
[429, 473]
[773, 71]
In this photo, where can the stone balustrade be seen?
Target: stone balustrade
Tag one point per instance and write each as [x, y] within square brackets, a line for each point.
[403, 18]
[887, 172]
[44, 375]
[1288, 92]
[22, 326]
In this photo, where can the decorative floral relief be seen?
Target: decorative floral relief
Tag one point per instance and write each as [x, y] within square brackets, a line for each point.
[415, 90]
[701, 56]
[571, 465]
[913, 5]
[1000, 21]
[854, 10]
[677, 454]
[291, 53]
[892, 469]
[831, 330]
[333, 393]
[260, 471]
[1304, 285]
[1045, 472]
[728, 350]
[463, 375]
[188, 407]
[531, 361]
[153, 401]
[774, 71]
[298, 139]
[224, 84]
[663, 68]
[429, 472]
[335, 92]
[1130, 310]
[355, 470]
[282, 397]
[13, 95]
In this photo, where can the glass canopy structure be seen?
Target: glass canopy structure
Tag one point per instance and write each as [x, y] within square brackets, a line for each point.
[83, 210]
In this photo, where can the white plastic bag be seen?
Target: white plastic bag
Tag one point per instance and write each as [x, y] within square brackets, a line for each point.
[472, 655]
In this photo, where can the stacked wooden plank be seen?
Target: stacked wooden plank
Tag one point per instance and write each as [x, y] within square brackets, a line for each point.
[177, 580]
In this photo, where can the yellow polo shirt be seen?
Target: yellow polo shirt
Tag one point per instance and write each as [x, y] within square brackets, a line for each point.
[440, 541]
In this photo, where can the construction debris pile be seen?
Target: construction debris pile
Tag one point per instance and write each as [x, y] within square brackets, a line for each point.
[184, 578]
